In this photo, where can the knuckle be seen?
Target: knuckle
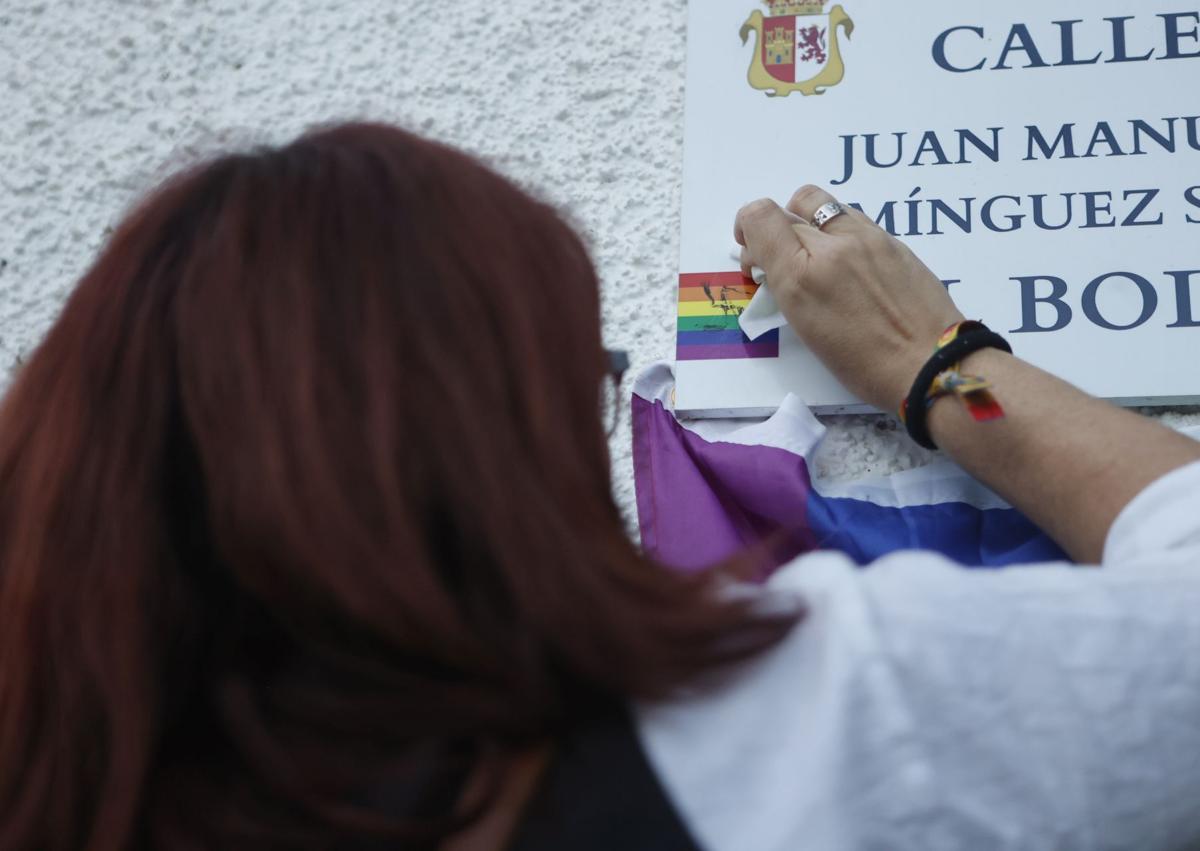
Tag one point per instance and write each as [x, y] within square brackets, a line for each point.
[757, 209]
[806, 194]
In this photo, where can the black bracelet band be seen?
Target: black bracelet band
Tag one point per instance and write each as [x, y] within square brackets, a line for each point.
[916, 406]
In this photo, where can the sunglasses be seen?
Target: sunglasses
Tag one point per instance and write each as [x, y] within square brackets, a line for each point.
[610, 402]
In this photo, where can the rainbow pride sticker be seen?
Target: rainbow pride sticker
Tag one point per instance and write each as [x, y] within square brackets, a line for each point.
[709, 307]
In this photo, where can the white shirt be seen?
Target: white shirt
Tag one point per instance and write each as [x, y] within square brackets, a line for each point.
[920, 705]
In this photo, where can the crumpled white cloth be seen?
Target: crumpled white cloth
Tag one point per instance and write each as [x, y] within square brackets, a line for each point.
[923, 707]
[762, 314]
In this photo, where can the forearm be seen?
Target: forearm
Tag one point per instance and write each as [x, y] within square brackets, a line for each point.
[871, 310]
[1068, 461]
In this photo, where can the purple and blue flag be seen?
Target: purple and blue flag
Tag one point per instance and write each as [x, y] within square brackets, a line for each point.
[708, 490]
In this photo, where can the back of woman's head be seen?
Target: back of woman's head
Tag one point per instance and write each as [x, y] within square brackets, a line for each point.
[305, 496]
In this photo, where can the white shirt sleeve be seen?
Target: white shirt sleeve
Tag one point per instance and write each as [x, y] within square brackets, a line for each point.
[925, 706]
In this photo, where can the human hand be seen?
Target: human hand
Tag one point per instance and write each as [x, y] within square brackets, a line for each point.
[858, 297]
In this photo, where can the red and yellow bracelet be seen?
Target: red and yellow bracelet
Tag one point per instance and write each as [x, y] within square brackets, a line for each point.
[941, 376]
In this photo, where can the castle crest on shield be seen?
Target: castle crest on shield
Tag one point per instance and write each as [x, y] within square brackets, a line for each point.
[796, 47]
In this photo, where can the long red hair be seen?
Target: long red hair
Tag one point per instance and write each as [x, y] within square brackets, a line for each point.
[306, 495]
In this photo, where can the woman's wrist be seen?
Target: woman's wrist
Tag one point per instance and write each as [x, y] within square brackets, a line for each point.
[948, 412]
[943, 374]
[907, 362]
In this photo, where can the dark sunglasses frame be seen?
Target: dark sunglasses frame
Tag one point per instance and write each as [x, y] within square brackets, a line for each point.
[618, 365]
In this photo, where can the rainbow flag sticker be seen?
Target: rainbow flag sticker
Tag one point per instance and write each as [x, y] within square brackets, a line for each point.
[709, 307]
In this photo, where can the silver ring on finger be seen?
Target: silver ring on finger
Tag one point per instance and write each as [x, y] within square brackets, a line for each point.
[827, 214]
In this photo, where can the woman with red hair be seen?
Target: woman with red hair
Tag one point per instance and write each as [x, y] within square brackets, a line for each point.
[307, 541]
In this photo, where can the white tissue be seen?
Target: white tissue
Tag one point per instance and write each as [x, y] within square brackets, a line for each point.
[762, 314]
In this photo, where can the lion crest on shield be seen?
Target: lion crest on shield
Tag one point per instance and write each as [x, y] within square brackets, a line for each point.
[797, 47]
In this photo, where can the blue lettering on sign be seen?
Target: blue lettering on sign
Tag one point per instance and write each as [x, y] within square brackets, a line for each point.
[1065, 137]
[1014, 219]
[1192, 196]
[1133, 219]
[930, 147]
[1183, 299]
[1033, 295]
[1104, 135]
[939, 50]
[1093, 208]
[1120, 48]
[1019, 39]
[1039, 211]
[1175, 35]
[1178, 37]
[1030, 300]
[917, 216]
[1068, 45]
[1149, 301]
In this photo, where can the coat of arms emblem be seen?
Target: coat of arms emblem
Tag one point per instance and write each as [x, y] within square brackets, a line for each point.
[797, 49]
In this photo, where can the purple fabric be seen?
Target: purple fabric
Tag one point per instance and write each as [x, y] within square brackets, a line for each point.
[723, 497]
[702, 502]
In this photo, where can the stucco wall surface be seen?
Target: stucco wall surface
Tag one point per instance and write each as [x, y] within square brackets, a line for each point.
[582, 101]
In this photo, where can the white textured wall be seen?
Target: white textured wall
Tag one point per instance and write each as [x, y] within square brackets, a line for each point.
[98, 99]
[580, 100]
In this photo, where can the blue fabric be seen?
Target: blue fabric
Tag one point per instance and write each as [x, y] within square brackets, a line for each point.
[971, 536]
[702, 501]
